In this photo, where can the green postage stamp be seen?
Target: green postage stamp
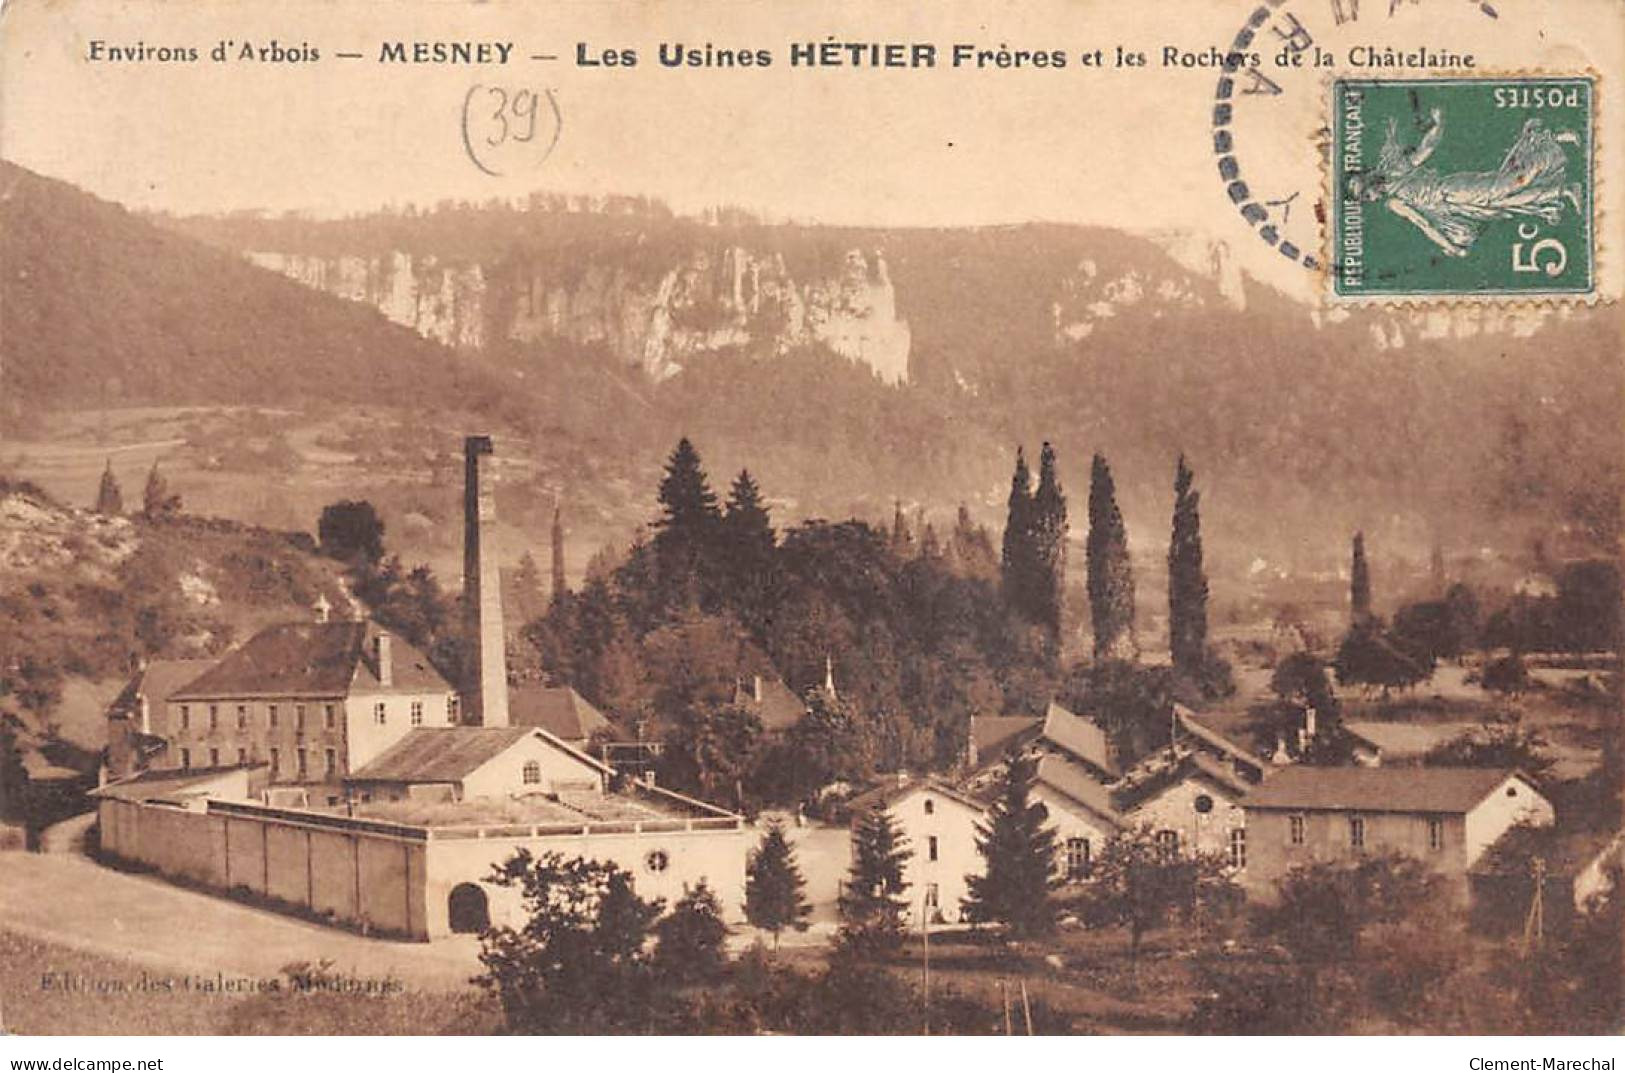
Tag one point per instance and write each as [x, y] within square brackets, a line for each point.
[1463, 187]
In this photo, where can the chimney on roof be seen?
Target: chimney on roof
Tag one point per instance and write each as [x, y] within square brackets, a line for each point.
[383, 657]
[829, 678]
[756, 688]
[971, 756]
[486, 686]
[323, 608]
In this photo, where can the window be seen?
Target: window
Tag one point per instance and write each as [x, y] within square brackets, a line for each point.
[328, 715]
[451, 708]
[931, 895]
[1168, 842]
[186, 758]
[1077, 857]
[930, 806]
[1435, 834]
[1296, 823]
[271, 716]
[276, 763]
[304, 768]
[299, 717]
[1203, 804]
[533, 773]
[1357, 832]
[931, 848]
[242, 717]
[186, 716]
[330, 763]
[242, 756]
[417, 713]
[656, 861]
[214, 757]
[214, 717]
[380, 714]
[1238, 847]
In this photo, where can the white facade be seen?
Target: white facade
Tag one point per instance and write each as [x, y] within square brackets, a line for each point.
[369, 731]
[532, 765]
[1514, 801]
[1080, 833]
[941, 830]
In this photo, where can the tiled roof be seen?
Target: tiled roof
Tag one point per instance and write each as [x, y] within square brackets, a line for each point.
[1143, 784]
[560, 711]
[440, 754]
[893, 790]
[1078, 736]
[449, 754]
[1197, 728]
[778, 708]
[168, 782]
[993, 735]
[1377, 789]
[1073, 781]
[158, 681]
[312, 659]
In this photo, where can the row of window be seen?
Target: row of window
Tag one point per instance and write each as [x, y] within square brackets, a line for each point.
[274, 714]
[1435, 826]
[330, 761]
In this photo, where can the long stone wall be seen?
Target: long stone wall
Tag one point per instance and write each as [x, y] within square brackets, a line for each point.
[396, 879]
[343, 871]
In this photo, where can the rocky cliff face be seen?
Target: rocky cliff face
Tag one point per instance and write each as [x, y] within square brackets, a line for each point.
[705, 299]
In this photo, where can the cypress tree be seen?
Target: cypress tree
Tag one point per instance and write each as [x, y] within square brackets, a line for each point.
[560, 586]
[1049, 530]
[1359, 585]
[1019, 849]
[1187, 581]
[1111, 576]
[1016, 560]
[109, 497]
[874, 911]
[902, 543]
[774, 886]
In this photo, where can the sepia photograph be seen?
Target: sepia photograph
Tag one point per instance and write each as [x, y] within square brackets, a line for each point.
[845, 520]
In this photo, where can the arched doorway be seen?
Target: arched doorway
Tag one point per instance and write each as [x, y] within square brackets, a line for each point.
[468, 909]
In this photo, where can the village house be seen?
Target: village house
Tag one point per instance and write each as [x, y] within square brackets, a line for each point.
[1445, 817]
[939, 825]
[313, 700]
[138, 730]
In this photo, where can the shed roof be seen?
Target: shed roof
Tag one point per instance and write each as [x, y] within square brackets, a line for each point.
[168, 782]
[450, 754]
[312, 659]
[772, 701]
[1073, 781]
[559, 710]
[1080, 737]
[1378, 789]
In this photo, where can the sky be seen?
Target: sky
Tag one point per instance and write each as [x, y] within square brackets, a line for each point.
[1122, 147]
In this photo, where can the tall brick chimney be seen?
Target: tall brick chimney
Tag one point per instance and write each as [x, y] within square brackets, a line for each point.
[485, 691]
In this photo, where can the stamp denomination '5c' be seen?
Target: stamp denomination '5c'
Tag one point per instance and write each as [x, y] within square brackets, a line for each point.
[1463, 187]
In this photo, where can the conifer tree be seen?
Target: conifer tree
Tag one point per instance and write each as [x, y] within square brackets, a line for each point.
[685, 533]
[1049, 530]
[156, 500]
[971, 547]
[874, 909]
[689, 940]
[902, 542]
[1187, 581]
[1016, 560]
[1359, 585]
[109, 497]
[774, 887]
[560, 585]
[746, 522]
[1019, 851]
[1111, 576]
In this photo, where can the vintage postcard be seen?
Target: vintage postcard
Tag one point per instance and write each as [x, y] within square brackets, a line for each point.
[1058, 518]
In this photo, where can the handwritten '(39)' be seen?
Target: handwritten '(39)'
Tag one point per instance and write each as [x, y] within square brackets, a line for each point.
[509, 129]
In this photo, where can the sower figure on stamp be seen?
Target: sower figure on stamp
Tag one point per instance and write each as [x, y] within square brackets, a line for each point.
[1451, 210]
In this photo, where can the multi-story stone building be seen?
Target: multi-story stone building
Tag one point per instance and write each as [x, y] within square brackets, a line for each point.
[313, 700]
